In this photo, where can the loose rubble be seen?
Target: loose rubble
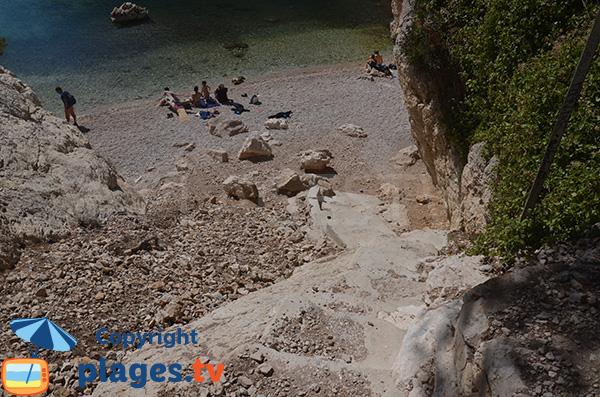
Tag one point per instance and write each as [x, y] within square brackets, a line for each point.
[139, 274]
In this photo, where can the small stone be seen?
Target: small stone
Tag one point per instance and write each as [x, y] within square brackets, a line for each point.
[258, 357]
[244, 381]
[486, 268]
[41, 292]
[190, 147]
[158, 285]
[265, 369]
[99, 296]
[423, 199]
[576, 284]
[346, 358]
[352, 130]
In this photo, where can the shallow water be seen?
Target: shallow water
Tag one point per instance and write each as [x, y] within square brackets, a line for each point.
[73, 43]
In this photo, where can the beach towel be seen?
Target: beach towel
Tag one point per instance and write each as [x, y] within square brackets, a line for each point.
[238, 108]
[203, 104]
[281, 115]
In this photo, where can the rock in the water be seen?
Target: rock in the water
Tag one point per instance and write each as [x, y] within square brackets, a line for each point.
[407, 156]
[352, 130]
[240, 188]
[238, 80]
[51, 178]
[129, 12]
[221, 127]
[255, 148]
[276, 124]
[315, 160]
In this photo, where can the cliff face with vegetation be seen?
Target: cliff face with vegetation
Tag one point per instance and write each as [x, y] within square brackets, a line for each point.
[483, 83]
[50, 178]
[463, 181]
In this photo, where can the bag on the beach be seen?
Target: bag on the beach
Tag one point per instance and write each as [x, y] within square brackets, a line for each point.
[254, 100]
[70, 99]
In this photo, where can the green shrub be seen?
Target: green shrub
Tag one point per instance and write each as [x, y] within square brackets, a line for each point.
[516, 60]
[2, 45]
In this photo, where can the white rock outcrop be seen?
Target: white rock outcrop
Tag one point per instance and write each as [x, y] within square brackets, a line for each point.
[223, 127]
[424, 103]
[50, 178]
[276, 124]
[240, 188]
[291, 183]
[255, 148]
[352, 130]
[315, 160]
[407, 156]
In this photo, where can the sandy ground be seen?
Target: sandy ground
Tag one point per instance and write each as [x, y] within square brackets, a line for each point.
[144, 144]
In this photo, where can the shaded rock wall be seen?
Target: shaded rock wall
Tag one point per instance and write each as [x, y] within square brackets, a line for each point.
[465, 198]
[50, 177]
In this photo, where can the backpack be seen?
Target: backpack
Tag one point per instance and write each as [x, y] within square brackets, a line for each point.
[70, 99]
[254, 100]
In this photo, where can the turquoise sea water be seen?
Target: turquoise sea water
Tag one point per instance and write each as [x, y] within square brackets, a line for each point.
[73, 43]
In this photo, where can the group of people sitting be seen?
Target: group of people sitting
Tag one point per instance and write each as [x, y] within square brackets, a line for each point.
[376, 62]
[200, 97]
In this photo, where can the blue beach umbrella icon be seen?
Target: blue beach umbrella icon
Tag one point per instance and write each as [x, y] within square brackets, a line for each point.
[43, 333]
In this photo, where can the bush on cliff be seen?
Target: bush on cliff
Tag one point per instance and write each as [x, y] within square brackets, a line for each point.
[2, 45]
[516, 60]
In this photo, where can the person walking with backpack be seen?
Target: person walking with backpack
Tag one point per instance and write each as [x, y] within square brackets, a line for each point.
[69, 101]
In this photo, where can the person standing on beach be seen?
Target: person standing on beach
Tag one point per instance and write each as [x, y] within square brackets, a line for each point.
[69, 102]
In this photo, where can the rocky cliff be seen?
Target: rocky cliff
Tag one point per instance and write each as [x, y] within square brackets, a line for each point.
[463, 187]
[50, 178]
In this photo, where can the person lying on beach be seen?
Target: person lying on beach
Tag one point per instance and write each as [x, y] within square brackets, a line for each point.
[221, 95]
[168, 98]
[172, 101]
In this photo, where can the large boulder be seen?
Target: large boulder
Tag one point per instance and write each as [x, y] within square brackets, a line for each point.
[255, 148]
[218, 155]
[352, 130]
[315, 160]
[407, 156]
[276, 124]
[50, 178]
[291, 183]
[240, 188]
[222, 127]
[129, 12]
